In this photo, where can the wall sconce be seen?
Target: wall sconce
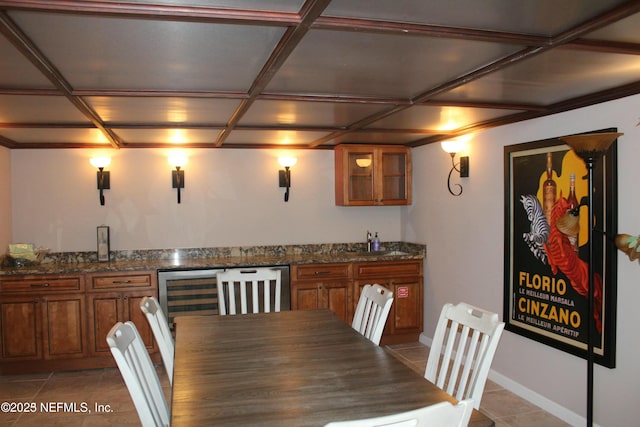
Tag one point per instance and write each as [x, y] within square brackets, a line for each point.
[177, 160]
[103, 176]
[285, 175]
[453, 147]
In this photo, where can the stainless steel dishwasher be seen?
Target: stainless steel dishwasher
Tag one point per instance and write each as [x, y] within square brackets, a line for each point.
[195, 291]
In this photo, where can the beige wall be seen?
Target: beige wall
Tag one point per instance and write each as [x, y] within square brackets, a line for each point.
[5, 198]
[465, 235]
[231, 198]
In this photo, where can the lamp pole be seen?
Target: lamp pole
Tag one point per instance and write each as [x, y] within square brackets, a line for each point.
[589, 161]
[590, 147]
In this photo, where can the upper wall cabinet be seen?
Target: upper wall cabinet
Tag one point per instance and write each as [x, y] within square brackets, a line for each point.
[373, 175]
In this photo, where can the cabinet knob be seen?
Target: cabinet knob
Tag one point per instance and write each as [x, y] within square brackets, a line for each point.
[121, 282]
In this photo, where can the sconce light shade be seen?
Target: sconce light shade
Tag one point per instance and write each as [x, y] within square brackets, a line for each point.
[102, 175]
[453, 147]
[177, 160]
[100, 162]
[284, 176]
[287, 162]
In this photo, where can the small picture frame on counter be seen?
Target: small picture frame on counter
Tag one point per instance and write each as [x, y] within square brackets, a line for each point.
[104, 246]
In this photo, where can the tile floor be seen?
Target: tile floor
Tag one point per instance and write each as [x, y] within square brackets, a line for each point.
[503, 407]
[105, 387]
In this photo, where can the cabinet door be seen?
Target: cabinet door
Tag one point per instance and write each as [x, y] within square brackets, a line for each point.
[336, 296]
[405, 315]
[361, 176]
[305, 296]
[108, 308]
[20, 328]
[406, 311]
[105, 310]
[395, 177]
[332, 295]
[64, 331]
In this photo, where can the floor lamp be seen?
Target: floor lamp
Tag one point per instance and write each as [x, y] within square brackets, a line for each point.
[590, 147]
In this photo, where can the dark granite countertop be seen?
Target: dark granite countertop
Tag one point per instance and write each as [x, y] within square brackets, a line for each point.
[202, 258]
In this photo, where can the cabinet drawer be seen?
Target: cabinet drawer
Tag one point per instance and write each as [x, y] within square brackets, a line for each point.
[113, 281]
[23, 284]
[317, 272]
[387, 269]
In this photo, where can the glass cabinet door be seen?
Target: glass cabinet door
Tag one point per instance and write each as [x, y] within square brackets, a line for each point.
[361, 176]
[394, 176]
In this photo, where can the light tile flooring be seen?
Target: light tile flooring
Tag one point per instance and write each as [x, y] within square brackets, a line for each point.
[503, 407]
[90, 388]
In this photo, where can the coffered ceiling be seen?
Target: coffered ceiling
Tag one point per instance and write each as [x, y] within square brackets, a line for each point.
[312, 74]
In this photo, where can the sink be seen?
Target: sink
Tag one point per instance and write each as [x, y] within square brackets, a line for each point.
[382, 253]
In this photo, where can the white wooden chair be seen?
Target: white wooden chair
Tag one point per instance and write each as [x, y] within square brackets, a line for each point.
[139, 374]
[443, 414]
[466, 337]
[265, 286]
[372, 311]
[160, 328]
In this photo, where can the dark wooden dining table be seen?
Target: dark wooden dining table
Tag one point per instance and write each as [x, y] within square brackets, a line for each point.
[293, 368]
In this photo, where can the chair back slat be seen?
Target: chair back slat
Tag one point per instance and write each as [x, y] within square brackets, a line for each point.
[372, 311]
[462, 350]
[233, 285]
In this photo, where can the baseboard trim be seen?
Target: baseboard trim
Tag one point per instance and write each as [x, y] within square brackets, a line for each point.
[537, 399]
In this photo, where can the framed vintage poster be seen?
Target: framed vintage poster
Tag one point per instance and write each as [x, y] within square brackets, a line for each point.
[104, 245]
[546, 247]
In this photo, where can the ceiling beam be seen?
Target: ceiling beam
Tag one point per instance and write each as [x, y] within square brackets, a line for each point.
[21, 42]
[292, 37]
[155, 11]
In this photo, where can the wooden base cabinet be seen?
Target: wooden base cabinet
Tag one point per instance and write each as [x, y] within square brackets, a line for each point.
[115, 297]
[338, 286]
[405, 280]
[42, 318]
[60, 322]
[316, 286]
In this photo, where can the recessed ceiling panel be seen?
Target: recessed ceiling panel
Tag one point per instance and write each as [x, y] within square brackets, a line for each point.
[273, 137]
[39, 109]
[351, 63]
[168, 136]
[163, 109]
[538, 17]
[299, 113]
[117, 53]
[626, 30]
[552, 77]
[438, 118]
[17, 71]
[55, 136]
